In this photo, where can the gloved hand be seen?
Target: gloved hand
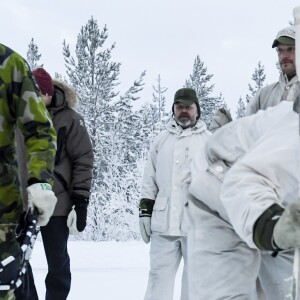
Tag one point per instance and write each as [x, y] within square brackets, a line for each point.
[41, 196]
[286, 232]
[220, 118]
[77, 216]
[146, 209]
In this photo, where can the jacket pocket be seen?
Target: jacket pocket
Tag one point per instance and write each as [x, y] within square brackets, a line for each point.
[159, 220]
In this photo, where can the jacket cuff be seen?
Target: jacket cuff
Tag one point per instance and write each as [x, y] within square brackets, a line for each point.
[264, 227]
[79, 200]
[146, 207]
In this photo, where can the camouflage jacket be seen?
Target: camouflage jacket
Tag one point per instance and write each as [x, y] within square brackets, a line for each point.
[20, 106]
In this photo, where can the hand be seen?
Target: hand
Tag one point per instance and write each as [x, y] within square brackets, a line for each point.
[145, 228]
[41, 196]
[77, 217]
[220, 118]
[146, 209]
[286, 232]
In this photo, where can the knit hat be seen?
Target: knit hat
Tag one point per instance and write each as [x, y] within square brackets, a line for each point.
[44, 81]
[285, 36]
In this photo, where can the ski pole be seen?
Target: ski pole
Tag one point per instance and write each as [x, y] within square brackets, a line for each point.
[296, 269]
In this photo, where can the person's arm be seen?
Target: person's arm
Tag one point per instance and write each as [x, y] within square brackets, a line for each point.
[149, 188]
[220, 118]
[254, 104]
[80, 152]
[36, 126]
[258, 185]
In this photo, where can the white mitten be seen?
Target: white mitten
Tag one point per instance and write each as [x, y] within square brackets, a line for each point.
[72, 221]
[286, 232]
[220, 118]
[41, 196]
[145, 228]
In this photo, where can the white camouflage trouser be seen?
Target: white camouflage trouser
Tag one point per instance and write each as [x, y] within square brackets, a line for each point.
[276, 274]
[222, 266]
[165, 256]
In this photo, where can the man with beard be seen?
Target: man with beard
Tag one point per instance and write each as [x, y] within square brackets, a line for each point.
[287, 87]
[164, 194]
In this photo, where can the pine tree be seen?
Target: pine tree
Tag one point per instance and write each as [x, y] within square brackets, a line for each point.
[199, 80]
[240, 109]
[111, 124]
[159, 99]
[33, 55]
[258, 77]
[152, 117]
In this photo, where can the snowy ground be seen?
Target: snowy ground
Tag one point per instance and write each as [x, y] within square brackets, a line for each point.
[103, 270]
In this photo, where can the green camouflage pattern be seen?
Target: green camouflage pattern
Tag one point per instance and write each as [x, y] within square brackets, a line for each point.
[21, 105]
[8, 245]
[7, 295]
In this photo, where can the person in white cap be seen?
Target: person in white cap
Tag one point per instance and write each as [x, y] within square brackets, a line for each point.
[287, 87]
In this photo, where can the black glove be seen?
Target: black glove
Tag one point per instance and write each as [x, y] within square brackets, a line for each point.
[81, 204]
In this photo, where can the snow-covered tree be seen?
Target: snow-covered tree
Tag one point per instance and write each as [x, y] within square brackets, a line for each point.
[258, 77]
[111, 124]
[199, 80]
[159, 99]
[240, 109]
[33, 55]
[153, 116]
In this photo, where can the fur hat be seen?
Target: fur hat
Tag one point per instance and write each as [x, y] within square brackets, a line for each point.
[44, 81]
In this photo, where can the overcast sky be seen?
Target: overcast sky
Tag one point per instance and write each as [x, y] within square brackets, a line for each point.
[159, 36]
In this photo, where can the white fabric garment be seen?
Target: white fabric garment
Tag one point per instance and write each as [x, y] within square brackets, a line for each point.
[221, 265]
[273, 94]
[166, 253]
[268, 173]
[165, 180]
[166, 172]
[263, 152]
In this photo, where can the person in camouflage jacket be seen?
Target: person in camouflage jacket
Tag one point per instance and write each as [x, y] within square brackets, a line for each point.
[21, 106]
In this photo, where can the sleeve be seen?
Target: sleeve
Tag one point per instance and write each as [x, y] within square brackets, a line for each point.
[232, 140]
[80, 151]
[266, 175]
[254, 104]
[246, 199]
[35, 124]
[149, 188]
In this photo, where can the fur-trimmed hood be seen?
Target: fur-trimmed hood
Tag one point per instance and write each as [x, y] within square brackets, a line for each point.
[71, 98]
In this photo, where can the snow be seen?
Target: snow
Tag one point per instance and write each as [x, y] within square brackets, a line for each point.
[103, 270]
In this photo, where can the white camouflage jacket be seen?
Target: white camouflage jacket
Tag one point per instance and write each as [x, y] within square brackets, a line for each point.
[263, 153]
[273, 94]
[166, 172]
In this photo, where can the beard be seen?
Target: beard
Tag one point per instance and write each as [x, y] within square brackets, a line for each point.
[185, 121]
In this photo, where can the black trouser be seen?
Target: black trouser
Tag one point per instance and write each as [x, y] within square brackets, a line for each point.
[58, 280]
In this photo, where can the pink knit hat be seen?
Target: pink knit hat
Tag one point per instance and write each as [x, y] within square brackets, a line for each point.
[44, 81]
